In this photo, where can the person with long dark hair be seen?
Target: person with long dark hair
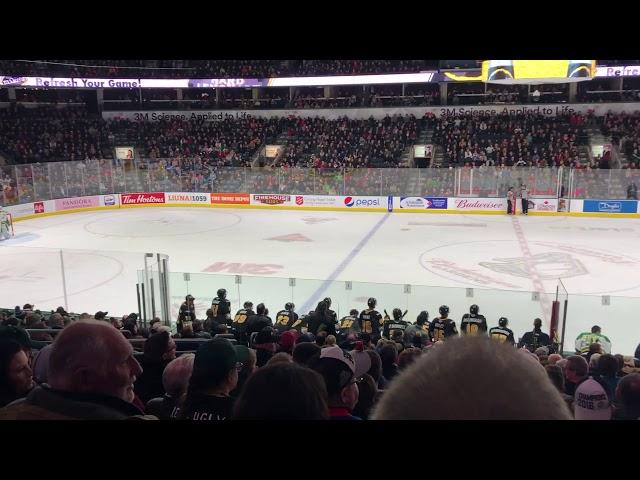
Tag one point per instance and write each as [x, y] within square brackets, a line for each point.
[159, 350]
[16, 377]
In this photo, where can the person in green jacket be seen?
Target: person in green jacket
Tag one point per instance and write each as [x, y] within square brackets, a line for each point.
[585, 339]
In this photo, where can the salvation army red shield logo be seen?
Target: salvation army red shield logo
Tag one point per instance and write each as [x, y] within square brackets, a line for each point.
[299, 200]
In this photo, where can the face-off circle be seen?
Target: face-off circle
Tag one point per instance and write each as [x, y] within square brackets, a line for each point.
[500, 264]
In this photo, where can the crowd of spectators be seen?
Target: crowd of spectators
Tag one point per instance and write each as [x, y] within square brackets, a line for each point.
[523, 140]
[58, 366]
[624, 131]
[209, 68]
[349, 143]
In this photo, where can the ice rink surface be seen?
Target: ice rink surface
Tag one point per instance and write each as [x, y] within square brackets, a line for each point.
[513, 264]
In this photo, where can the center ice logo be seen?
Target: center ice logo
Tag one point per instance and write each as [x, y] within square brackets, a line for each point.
[348, 201]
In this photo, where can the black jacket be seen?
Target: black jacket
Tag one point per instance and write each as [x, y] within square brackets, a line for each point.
[149, 383]
[533, 340]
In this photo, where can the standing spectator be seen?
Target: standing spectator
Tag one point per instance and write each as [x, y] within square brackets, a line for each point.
[283, 391]
[91, 375]
[16, 378]
[472, 378]
[628, 398]
[214, 376]
[632, 191]
[175, 380]
[338, 370]
[159, 350]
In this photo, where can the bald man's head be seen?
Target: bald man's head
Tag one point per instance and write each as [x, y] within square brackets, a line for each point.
[472, 378]
[91, 356]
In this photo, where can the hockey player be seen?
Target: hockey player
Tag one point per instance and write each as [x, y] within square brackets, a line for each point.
[239, 324]
[221, 307]
[585, 339]
[348, 325]
[286, 318]
[187, 313]
[420, 328]
[5, 226]
[473, 323]
[370, 320]
[536, 338]
[443, 327]
[396, 326]
[501, 333]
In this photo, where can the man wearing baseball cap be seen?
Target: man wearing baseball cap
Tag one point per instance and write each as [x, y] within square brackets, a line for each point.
[338, 369]
[591, 401]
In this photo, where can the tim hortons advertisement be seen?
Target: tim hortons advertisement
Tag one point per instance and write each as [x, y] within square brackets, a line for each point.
[142, 198]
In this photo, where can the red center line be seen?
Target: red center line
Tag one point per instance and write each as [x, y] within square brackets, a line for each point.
[538, 287]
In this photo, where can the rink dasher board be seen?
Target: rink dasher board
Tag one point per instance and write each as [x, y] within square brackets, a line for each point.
[105, 202]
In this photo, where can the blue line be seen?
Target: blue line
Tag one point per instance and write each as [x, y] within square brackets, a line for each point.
[311, 301]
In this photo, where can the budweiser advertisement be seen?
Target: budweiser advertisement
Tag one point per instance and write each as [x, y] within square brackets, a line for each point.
[478, 204]
[142, 198]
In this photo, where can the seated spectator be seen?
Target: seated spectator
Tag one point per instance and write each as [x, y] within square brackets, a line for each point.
[472, 378]
[306, 353]
[575, 372]
[41, 364]
[407, 357]
[284, 391]
[288, 341]
[265, 346]
[214, 376]
[159, 350]
[591, 401]
[376, 369]
[321, 339]
[338, 370]
[606, 373]
[198, 330]
[367, 396]
[247, 357]
[15, 373]
[55, 321]
[330, 341]
[280, 357]
[175, 380]
[389, 358]
[553, 358]
[593, 363]
[628, 398]
[91, 375]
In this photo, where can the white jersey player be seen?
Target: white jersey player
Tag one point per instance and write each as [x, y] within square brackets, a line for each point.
[5, 227]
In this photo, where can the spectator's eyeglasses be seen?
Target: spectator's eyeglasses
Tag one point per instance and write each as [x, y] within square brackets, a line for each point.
[239, 366]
